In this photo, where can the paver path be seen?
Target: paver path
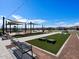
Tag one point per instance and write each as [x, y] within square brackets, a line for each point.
[70, 50]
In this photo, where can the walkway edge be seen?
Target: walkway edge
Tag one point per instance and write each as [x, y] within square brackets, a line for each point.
[63, 45]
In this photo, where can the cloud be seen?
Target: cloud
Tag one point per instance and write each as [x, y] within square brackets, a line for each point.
[17, 16]
[37, 21]
[1, 22]
[21, 19]
[64, 24]
[76, 24]
[60, 23]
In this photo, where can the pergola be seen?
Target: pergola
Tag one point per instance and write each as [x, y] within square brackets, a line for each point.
[31, 26]
[15, 22]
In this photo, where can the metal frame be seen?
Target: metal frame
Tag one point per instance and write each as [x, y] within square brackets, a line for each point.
[3, 24]
[12, 22]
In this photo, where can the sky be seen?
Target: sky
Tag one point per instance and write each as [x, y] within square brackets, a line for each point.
[50, 13]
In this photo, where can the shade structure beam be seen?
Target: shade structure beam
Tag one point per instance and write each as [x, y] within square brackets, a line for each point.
[3, 29]
[14, 22]
[25, 27]
[6, 25]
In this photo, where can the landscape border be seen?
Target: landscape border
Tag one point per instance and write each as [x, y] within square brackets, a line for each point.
[58, 53]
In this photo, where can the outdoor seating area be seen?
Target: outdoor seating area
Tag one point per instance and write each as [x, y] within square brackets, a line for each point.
[53, 41]
[43, 39]
[6, 36]
[20, 27]
[39, 29]
[22, 49]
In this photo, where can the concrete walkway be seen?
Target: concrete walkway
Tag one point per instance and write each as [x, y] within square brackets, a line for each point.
[4, 53]
[23, 39]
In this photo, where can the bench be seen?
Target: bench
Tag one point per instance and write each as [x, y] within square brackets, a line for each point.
[24, 48]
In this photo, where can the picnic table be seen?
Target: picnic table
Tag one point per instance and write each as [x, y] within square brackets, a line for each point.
[43, 39]
[51, 41]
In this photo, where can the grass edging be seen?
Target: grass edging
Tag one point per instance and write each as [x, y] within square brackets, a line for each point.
[63, 46]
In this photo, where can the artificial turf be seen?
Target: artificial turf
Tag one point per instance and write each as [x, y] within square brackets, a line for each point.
[53, 48]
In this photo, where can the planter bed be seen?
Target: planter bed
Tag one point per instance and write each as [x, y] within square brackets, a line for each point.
[57, 39]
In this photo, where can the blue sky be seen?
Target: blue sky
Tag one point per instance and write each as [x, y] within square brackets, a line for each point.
[47, 12]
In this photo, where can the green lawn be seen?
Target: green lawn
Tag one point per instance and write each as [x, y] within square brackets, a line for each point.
[53, 48]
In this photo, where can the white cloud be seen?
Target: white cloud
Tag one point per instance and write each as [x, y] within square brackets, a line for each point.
[37, 21]
[20, 18]
[57, 24]
[60, 23]
[64, 24]
[76, 24]
[17, 16]
[1, 22]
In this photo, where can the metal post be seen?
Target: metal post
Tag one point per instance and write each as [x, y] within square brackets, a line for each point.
[17, 28]
[3, 25]
[6, 25]
[33, 27]
[25, 27]
[30, 27]
[42, 28]
[10, 27]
